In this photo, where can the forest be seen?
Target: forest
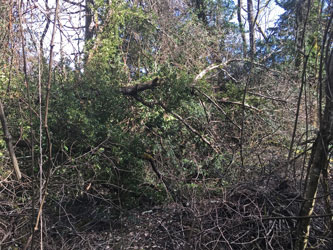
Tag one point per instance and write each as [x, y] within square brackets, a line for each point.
[166, 124]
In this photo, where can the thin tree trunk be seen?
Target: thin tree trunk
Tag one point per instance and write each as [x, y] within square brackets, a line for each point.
[241, 26]
[326, 189]
[9, 142]
[88, 20]
[201, 10]
[251, 27]
[318, 162]
[302, 12]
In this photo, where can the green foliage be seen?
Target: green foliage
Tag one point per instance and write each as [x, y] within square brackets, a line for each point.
[102, 135]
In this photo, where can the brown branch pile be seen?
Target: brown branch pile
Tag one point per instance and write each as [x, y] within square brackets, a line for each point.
[245, 216]
[15, 212]
[248, 217]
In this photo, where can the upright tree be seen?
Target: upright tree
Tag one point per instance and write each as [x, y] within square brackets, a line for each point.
[319, 159]
[250, 15]
[241, 26]
[302, 10]
[89, 28]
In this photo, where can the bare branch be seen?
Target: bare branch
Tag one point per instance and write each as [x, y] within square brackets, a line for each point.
[9, 142]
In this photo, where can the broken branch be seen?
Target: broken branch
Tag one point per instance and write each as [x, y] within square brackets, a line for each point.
[135, 89]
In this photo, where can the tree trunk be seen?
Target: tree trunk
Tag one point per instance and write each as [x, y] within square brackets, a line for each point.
[201, 10]
[301, 16]
[9, 142]
[241, 26]
[88, 21]
[318, 162]
[251, 28]
[326, 189]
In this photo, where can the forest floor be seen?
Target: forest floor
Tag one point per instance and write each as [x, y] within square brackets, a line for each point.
[254, 215]
[259, 213]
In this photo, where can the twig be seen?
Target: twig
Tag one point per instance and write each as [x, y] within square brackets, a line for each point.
[267, 97]
[218, 107]
[193, 130]
[240, 104]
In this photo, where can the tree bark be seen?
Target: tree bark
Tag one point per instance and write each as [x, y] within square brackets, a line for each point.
[88, 21]
[241, 26]
[201, 10]
[251, 28]
[318, 162]
[302, 12]
[135, 89]
[9, 142]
